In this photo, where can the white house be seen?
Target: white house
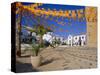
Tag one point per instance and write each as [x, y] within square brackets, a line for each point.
[48, 37]
[78, 40]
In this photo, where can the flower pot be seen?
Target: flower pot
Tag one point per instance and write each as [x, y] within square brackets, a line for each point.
[35, 61]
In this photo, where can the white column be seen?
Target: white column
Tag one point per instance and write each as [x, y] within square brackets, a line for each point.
[70, 40]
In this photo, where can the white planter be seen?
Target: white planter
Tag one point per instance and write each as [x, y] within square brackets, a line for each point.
[35, 61]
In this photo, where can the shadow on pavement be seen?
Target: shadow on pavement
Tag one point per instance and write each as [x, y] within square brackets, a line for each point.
[24, 67]
[47, 62]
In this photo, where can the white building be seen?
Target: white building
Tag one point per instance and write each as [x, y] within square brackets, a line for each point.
[48, 37]
[78, 40]
[51, 38]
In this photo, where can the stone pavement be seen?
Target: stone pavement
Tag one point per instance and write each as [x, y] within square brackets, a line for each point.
[64, 58]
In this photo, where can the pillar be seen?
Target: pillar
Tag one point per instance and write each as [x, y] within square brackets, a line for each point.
[91, 18]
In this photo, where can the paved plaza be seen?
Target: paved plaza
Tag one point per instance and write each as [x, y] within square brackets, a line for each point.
[62, 58]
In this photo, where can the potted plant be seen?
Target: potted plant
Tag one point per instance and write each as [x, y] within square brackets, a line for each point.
[39, 30]
[35, 57]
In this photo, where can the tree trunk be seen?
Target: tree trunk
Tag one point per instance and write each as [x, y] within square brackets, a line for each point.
[41, 40]
[18, 35]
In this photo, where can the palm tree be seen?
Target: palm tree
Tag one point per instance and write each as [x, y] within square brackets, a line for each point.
[39, 30]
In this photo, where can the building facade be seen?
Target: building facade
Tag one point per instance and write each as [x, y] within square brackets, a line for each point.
[78, 40]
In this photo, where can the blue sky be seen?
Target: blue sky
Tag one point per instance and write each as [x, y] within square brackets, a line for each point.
[73, 27]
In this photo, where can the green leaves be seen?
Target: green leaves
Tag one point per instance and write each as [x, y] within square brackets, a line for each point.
[38, 29]
[35, 49]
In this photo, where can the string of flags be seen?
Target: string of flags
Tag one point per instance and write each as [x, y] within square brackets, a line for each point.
[33, 8]
[47, 13]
